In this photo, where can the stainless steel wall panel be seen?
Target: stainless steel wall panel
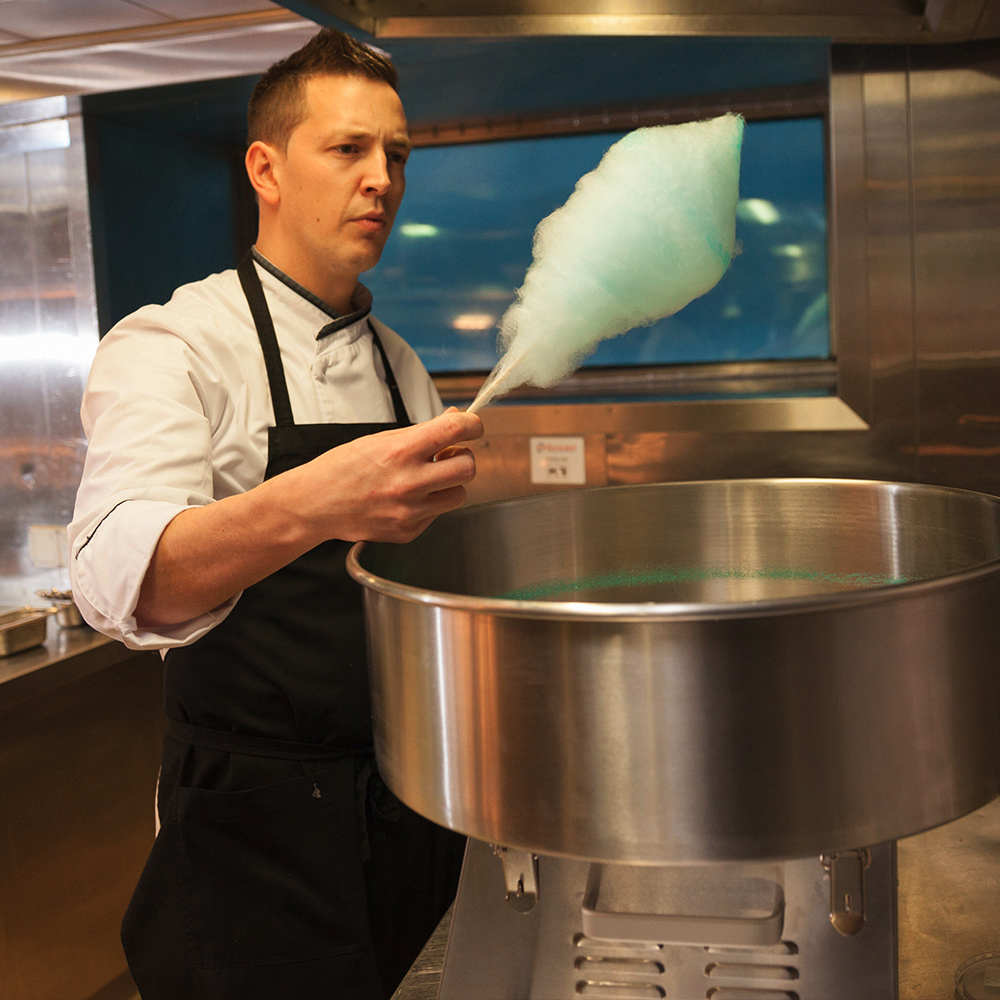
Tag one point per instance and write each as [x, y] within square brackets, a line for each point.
[989, 22]
[16, 275]
[697, 455]
[38, 110]
[956, 205]
[848, 240]
[892, 354]
[37, 135]
[48, 333]
[22, 423]
[504, 468]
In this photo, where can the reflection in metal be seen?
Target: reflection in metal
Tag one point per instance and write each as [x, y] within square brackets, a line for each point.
[956, 247]
[705, 417]
[692, 671]
[758, 104]
[48, 331]
[676, 382]
[843, 20]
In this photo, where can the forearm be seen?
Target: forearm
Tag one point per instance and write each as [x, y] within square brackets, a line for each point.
[379, 487]
[207, 554]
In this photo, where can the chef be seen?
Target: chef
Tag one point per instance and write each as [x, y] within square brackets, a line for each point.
[241, 437]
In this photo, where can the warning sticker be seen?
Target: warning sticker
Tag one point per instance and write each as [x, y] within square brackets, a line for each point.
[558, 460]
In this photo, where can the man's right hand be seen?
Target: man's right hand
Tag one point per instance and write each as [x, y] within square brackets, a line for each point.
[388, 487]
[382, 487]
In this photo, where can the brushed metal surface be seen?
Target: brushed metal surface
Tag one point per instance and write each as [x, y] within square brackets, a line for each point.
[846, 20]
[494, 953]
[948, 910]
[692, 671]
[892, 360]
[728, 378]
[20, 630]
[48, 333]
[706, 416]
[956, 249]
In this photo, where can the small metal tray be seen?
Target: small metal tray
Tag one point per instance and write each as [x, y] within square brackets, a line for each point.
[63, 607]
[22, 629]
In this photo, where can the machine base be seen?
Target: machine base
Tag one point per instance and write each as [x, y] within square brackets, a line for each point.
[497, 953]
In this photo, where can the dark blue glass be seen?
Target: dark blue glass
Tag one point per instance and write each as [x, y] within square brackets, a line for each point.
[462, 245]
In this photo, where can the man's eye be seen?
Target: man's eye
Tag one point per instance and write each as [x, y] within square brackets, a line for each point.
[346, 147]
[399, 158]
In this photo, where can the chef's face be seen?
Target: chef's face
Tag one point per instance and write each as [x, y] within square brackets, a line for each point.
[341, 176]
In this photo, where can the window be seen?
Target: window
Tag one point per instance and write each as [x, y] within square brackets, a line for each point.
[462, 245]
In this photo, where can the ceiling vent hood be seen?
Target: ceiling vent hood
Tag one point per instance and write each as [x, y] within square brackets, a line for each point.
[870, 21]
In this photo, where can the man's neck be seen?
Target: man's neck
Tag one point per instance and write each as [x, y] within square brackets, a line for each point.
[336, 291]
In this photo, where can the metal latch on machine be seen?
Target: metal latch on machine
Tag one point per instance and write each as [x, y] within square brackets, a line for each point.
[847, 889]
[520, 875]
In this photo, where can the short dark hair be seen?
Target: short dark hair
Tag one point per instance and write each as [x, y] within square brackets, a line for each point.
[277, 103]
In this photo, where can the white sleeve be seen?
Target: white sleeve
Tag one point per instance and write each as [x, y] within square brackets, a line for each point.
[149, 457]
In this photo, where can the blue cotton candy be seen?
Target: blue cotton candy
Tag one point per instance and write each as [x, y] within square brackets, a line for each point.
[647, 231]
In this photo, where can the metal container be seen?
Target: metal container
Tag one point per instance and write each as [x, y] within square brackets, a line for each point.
[21, 629]
[698, 671]
[66, 611]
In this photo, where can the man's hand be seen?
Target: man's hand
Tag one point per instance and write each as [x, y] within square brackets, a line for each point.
[388, 487]
[382, 487]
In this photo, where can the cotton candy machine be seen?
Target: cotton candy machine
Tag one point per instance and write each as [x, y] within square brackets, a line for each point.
[689, 716]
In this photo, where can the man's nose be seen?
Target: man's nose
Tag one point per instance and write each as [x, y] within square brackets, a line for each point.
[377, 179]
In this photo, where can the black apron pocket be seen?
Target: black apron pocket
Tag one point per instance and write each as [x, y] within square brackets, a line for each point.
[272, 874]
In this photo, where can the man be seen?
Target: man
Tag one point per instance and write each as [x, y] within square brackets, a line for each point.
[240, 438]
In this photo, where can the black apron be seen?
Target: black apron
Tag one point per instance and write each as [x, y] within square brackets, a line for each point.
[283, 869]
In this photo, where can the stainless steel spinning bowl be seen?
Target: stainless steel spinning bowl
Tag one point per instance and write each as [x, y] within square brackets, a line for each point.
[692, 671]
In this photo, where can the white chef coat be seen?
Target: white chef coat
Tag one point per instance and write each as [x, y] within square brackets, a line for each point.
[176, 413]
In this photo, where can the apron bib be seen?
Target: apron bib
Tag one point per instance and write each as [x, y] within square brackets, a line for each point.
[283, 868]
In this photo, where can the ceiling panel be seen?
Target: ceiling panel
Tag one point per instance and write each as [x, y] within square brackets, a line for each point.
[110, 45]
[186, 9]
[52, 18]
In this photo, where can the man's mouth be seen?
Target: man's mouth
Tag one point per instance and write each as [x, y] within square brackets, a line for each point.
[372, 222]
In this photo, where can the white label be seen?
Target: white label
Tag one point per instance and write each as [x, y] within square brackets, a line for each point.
[558, 460]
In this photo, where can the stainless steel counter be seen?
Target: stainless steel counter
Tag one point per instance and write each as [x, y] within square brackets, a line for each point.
[424, 978]
[68, 654]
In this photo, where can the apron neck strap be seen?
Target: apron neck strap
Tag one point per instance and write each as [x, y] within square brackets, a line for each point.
[398, 406]
[280, 401]
[254, 292]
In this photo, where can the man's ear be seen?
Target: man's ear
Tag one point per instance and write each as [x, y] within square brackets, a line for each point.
[261, 161]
